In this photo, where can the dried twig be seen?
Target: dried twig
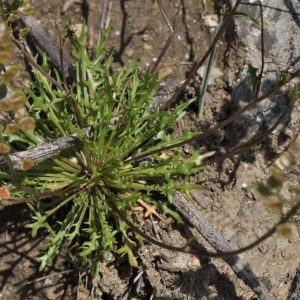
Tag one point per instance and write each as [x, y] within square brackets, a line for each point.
[169, 40]
[41, 152]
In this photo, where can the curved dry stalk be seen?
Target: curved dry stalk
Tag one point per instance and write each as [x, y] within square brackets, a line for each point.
[195, 68]
[164, 14]
[163, 52]
[169, 40]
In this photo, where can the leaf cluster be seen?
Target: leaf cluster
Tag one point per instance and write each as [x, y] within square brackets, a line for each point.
[108, 110]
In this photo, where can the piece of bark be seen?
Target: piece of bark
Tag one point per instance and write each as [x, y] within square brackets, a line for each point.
[39, 153]
[41, 39]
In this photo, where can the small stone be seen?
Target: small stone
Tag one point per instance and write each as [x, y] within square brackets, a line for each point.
[129, 52]
[244, 186]
[145, 37]
[147, 46]
[210, 20]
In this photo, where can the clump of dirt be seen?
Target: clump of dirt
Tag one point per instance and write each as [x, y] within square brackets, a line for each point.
[139, 31]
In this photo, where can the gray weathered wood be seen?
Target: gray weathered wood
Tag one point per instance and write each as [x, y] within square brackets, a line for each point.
[45, 43]
[40, 153]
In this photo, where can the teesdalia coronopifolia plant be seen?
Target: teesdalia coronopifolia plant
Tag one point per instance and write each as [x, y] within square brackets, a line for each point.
[116, 160]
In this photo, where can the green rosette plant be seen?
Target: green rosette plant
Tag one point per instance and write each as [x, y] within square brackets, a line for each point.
[80, 194]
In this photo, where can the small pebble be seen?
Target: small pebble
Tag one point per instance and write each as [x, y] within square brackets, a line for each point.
[145, 37]
[210, 20]
[244, 186]
[129, 52]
